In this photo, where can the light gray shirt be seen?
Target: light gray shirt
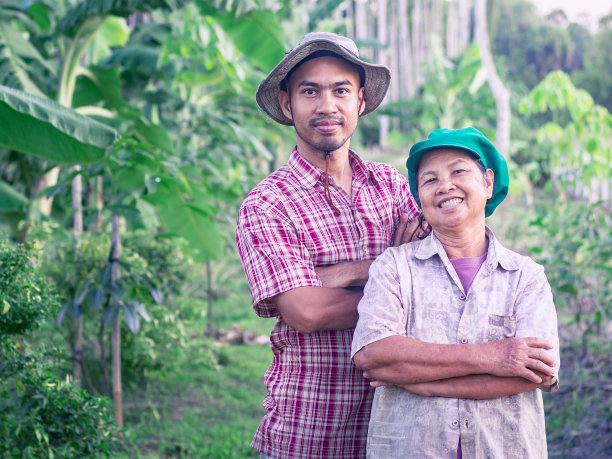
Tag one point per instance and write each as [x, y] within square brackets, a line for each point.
[413, 290]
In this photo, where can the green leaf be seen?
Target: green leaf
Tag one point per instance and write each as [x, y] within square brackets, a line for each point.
[591, 145]
[179, 217]
[136, 58]
[131, 317]
[258, 35]
[111, 313]
[43, 128]
[11, 200]
[155, 135]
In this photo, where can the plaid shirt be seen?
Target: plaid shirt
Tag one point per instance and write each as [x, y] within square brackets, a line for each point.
[318, 404]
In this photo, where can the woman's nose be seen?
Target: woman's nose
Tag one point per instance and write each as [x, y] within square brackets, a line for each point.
[445, 184]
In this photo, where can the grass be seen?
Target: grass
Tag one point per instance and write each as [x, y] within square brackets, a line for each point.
[198, 410]
[208, 404]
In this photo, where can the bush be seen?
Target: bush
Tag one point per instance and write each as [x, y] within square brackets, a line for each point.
[40, 415]
[577, 254]
[153, 271]
[43, 416]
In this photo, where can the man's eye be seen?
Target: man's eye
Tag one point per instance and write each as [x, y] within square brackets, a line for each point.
[342, 91]
[309, 91]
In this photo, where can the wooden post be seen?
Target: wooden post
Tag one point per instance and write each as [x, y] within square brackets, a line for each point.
[116, 338]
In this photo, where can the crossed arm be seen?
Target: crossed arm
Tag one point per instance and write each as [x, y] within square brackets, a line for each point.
[334, 306]
[487, 370]
[476, 371]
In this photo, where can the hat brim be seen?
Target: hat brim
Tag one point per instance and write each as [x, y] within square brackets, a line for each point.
[479, 146]
[377, 78]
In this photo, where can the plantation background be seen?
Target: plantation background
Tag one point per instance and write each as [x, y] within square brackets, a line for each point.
[129, 135]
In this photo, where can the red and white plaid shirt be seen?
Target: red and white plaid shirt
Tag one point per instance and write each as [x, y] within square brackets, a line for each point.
[318, 403]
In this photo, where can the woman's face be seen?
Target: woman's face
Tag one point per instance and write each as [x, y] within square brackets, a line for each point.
[452, 189]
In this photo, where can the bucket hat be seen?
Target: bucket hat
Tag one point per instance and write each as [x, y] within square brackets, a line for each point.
[376, 77]
[473, 141]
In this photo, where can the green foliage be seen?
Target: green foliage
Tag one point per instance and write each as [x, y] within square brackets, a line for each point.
[40, 415]
[25, 296]
[62, 135]
[454, 95]
[579, 146]
[597, 62]
[153, 271]
[577, 255]
[529, 46]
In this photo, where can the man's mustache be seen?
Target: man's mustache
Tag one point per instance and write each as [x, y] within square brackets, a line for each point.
[326, 120]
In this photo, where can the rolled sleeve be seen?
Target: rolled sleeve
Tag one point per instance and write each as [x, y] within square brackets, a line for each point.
[382, 310]
[273, 258]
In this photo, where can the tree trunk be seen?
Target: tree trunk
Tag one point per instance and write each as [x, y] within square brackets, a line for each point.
[210, 329]
[406, 56]
[417, 41]
[500, 92]
[382, 60]
[77, 348]
[116, 337]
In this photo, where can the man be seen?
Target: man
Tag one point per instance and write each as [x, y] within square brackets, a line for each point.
[307, 235]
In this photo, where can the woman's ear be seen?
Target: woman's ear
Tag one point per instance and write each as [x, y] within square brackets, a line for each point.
[489, 177]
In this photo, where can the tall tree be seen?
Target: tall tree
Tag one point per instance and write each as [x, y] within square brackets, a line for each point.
[499, 90]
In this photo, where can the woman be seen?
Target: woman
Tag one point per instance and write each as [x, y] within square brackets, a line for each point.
[457, 286]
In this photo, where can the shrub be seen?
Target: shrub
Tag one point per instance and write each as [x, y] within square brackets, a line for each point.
[40, 415]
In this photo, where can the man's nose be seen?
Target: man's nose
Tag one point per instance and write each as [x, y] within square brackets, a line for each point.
[327, 103]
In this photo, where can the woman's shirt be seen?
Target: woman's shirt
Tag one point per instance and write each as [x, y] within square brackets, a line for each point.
[413, 290]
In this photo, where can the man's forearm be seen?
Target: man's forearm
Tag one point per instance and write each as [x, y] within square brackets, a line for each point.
[310, 309]
[400, 360]
[347, 274]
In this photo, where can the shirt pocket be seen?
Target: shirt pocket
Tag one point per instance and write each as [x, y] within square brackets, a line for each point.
[501, 327]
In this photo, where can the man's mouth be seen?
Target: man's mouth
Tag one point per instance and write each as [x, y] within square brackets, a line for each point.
[450, 203]
[326, 124]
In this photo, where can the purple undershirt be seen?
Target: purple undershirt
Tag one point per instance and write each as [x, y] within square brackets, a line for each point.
[466, 269]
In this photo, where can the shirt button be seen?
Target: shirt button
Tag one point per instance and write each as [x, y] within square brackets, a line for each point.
[464, 340]
[455, 423]
[462, 297]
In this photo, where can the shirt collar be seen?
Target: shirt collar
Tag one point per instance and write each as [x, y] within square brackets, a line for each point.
[308, 174]
[496, 253]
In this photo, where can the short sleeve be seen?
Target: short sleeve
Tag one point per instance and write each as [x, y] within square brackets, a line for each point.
[536, 314]
[381, 310]
[273, 258]
[401, 190]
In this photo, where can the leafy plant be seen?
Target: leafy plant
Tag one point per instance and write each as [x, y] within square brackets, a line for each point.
[577, 255]
[40, 415]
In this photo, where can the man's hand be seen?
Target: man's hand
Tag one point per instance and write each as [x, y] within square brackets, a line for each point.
[414, 230]
[522, 357]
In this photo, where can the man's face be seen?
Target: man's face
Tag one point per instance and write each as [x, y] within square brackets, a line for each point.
[324, 99]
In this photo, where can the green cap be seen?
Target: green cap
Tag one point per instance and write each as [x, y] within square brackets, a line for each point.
[473, 141]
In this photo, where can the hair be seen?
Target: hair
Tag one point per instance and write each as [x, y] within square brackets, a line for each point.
[322, 53]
